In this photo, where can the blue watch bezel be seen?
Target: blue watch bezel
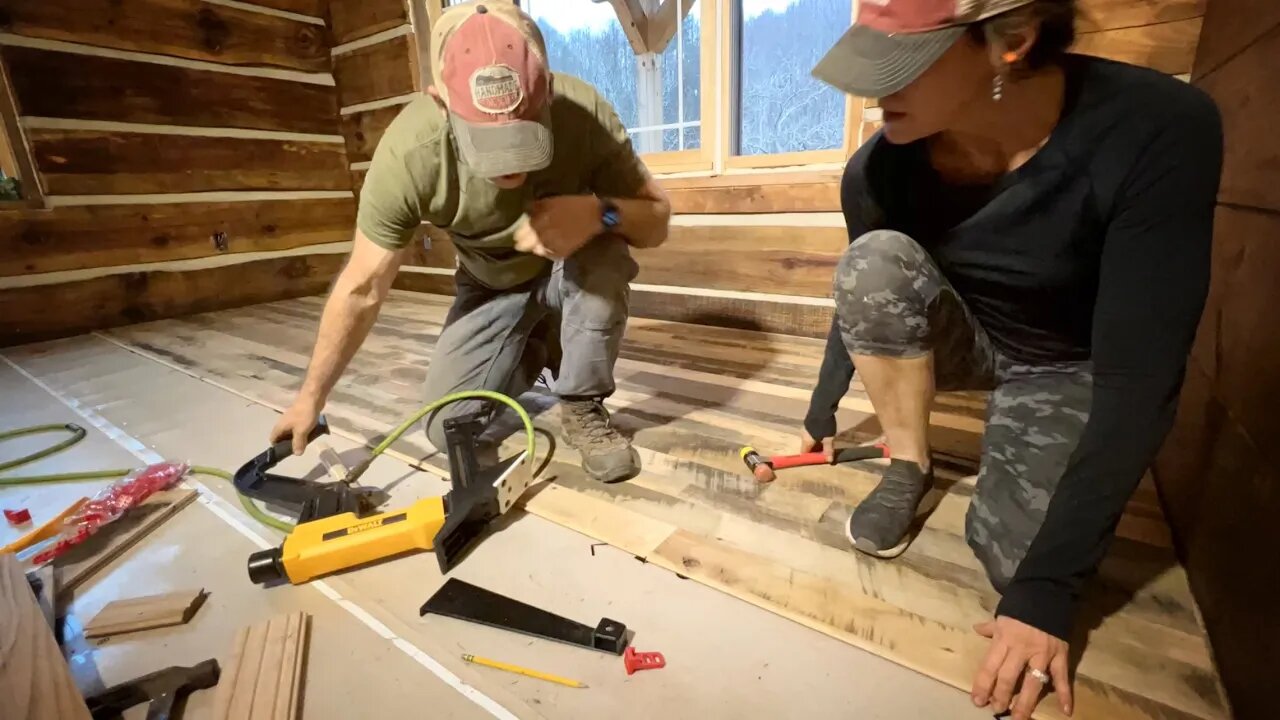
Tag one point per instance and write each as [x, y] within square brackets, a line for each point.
[610, 218]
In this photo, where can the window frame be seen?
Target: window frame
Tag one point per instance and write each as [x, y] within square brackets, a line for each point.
[11, 126]
[729, 38]
[719, 99]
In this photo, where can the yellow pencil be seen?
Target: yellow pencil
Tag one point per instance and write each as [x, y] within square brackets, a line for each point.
[523, 671]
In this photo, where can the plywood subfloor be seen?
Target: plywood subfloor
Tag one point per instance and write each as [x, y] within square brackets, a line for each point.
[691, 396]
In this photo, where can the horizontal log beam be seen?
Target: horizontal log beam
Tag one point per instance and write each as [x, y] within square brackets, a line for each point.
[31, 314]
[76, 238]
[57, 84]
[87, 162]
[189, 29]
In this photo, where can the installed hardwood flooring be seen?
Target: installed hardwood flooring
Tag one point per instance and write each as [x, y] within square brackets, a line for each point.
[691, 396]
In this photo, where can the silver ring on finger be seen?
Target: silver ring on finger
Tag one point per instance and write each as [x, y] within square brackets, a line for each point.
[1039, 675]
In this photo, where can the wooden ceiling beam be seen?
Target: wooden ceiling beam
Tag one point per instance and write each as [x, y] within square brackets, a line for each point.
[662, 26]
[634, 23]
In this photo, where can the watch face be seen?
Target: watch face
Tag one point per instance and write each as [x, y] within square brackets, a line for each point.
[609, 216]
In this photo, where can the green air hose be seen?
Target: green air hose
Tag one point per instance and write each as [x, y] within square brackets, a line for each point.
[77, 434]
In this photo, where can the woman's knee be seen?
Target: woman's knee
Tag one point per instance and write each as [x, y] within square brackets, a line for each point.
[883, 287]
[999, 561]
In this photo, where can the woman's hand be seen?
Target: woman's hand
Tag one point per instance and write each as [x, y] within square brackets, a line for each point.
[826, 445]
[1016, 649]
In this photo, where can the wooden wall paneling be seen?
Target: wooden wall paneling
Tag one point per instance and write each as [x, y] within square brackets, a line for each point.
[363, 130]
[1229, 27]
[425, 283]
[357, 181]
[1248, 95]
[750, 198]
[1097, 15]
[15, 140]
[27, 315]
[75, 238]
[36, 683]
[441, 254]
[310, 8]
[182, 28]
[354, 19]
[740, 179]
[1239, 330]
[745, 314]
[89, 162]
[378, 71]
[1168, 47]
[795, 260]
[67, 85]
[1218, 493]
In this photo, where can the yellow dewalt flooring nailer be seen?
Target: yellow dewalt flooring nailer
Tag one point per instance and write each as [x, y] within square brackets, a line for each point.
[335, 530]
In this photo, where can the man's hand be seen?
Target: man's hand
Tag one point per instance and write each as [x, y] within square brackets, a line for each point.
[808, 444]
[296, 422]
[1016, 649]
[559, 226]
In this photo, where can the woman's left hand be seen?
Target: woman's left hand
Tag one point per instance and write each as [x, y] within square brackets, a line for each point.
[1016, 649]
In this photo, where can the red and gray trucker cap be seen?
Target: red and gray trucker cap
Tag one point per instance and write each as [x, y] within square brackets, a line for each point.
[894, 41]
[489, 64]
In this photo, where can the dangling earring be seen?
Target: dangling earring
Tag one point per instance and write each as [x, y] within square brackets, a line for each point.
[997, 84]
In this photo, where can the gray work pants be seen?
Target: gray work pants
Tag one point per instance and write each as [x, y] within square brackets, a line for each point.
[501, 340]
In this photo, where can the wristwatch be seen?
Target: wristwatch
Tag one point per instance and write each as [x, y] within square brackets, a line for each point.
[610, 216]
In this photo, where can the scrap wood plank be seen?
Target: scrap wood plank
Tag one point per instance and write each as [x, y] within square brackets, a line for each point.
[262, 679]
[144, 613]
[35, 682]
[82, 561]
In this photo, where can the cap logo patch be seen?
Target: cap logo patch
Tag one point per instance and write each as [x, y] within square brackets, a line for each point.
[496, 89]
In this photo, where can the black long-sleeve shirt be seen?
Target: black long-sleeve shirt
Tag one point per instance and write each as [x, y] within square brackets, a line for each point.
[1096, 249]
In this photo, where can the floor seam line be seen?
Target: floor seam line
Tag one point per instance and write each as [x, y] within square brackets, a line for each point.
[211, 500]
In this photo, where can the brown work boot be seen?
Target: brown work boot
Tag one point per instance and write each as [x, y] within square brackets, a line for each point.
[606, 455]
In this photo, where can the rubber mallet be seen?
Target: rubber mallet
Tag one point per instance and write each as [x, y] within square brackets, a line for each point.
[764, 469]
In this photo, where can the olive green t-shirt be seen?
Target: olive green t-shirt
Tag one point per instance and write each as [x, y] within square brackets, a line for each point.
[416, 176]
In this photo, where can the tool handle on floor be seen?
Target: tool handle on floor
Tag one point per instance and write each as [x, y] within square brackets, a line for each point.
[862, 452]
[782, 462]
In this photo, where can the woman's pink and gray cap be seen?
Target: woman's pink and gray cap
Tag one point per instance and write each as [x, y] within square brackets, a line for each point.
[894, 41]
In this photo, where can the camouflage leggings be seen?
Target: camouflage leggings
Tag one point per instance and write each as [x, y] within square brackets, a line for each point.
[892, 300]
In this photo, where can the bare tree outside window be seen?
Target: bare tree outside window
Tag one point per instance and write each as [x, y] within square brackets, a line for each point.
[585, 39]
[782, 108]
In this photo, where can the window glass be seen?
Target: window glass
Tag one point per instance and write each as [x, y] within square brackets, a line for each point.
[781, 107]
[585, 39]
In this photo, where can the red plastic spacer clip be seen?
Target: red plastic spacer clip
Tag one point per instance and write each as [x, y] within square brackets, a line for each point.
[21, 516]
[642, 660]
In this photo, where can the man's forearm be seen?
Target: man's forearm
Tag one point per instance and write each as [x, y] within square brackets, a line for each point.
[644, 221]
[348, 316]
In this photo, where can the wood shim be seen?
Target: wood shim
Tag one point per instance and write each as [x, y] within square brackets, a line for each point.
[144, 613]
[35, 682]
[262, 680]
[82, 561]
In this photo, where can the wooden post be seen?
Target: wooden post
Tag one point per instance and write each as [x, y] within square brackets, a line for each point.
[649, 90]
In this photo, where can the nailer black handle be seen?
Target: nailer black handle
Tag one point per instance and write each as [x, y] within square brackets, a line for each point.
[284, 448]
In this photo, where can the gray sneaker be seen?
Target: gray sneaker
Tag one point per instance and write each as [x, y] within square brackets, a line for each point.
[880, 523]
[606, 455]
